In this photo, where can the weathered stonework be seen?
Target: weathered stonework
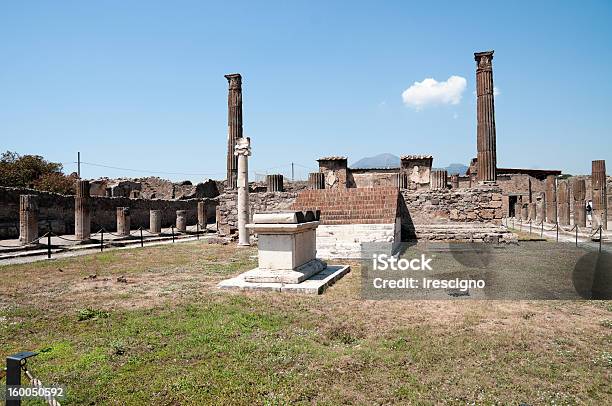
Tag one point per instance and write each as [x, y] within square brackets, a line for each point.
[316, 180]
[155, 222]
[274, 183]
[335, 170]
[600, 203]
[181, 220]
[28, 218]
[551, 199]
[234, 124]
[438, 179]
[579, 206]
[82, 222]
[532, 211]
[454, 180]
[123, 221]
[415, 171]
[486, 142]
[563, 203]
[202, 214]
[541, 207]
[243, 151]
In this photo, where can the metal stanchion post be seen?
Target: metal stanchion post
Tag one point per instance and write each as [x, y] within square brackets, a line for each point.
[141, 239]
[49, 245]
[198, 230]
[542, 229]
[172, 228]
[557, 228]
[600, 228]
[576, 234]
[529, 227]
[13, 373]
[101, 240]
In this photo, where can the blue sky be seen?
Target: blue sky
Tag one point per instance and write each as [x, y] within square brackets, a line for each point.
[140, 84]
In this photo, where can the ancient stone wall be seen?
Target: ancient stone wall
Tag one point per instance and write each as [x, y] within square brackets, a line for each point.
[58, 211]
[364, 178]
[227, 211]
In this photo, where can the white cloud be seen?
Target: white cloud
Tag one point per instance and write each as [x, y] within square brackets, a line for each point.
[432, 92]
[496, 91]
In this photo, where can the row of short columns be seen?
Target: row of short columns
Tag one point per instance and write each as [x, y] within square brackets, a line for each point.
[28, 217]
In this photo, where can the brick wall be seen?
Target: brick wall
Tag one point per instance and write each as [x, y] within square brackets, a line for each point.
[374, 205]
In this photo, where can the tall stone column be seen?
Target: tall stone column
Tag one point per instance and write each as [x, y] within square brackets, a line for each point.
[28, 218]
[181, 220]
[234, 124]
[243, 151]
[486, 143]
[551, 199]
[579, 194]
[202, 219]
[600, 204]
[155, 221]
[564, 203]
[123, 221]
[532, 209]
[454, 178]
[82, 222]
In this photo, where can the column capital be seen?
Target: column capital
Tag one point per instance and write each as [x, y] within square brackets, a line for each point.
[234, 80]
[243, 146]
[484, 60]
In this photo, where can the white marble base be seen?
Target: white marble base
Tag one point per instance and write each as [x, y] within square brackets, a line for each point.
[297, 275]
[314, 285]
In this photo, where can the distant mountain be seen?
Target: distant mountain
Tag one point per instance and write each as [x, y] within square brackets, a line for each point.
[378, 161]
[456, 168]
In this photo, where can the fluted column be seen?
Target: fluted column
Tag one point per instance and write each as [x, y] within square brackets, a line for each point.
[82, 221]
[438, 179]
[532, 211]
[486, 143]
[243, 151]
[234, 124]
[202, 217]
[579, 196]
[563, 203]
[454, 178]
[600, 204]
[316, 180]
[123, 221]
[542, 207]
[275, 183]
[28, 218]
[551, 199]
[155, 221]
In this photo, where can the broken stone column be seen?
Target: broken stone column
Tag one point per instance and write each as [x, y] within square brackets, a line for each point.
[600, 205]
[181, 220]
[542, 207]
[275, 183]
[454, 179]
[234, 124]
[532, 211]
[123, 221]
[243, 151]
[551, 199]
[485, 140]
[82, 224]
[518, 213]
[316, 180]
[438, 179]
[28, 218]
[155, 221]
[563, 203]
[202, 217]
[579, 197]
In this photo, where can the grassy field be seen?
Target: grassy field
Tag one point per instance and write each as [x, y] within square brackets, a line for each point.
[148, 326]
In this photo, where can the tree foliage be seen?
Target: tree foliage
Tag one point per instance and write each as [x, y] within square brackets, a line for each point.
[33, 171]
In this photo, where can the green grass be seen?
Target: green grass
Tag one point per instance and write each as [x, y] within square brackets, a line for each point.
[197, 345]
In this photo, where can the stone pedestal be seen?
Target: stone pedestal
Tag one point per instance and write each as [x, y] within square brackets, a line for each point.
[123, 221]
[181, 220]
[243, 151]
[202, 216]
[579, 205]
[155, 221]
[316, 180]
[564, 203]
[454, 181]
[275, 183]
[286, 256]
[82, 222]
[438, 179]
[28, 218]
